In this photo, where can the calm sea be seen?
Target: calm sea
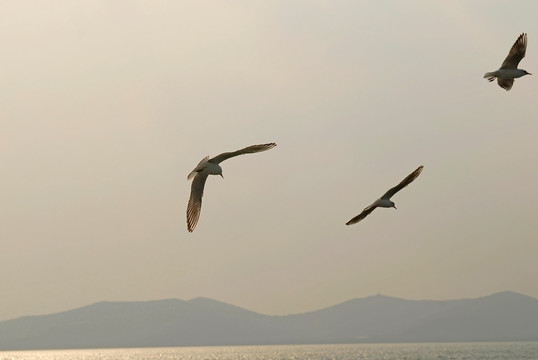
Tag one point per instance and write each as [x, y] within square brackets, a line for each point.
[452, 351]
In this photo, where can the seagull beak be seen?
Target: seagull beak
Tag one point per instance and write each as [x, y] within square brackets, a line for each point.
[221, 176]
[395, 207]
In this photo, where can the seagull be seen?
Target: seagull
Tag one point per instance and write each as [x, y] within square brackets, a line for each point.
[509, 71]
[208, 167]
[384, 201]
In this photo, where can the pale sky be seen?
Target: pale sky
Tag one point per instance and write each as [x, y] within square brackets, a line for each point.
[106, 106]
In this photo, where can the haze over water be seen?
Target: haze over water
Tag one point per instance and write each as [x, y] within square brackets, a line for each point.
[107, 105]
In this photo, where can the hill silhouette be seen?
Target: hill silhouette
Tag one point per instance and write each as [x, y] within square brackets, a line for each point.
[505, 316]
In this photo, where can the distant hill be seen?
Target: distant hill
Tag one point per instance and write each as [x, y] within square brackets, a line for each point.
[505, 316]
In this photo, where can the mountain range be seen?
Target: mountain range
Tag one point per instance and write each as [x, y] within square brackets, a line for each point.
[505, 316]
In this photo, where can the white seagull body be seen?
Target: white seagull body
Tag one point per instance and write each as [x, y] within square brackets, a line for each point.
[508, 71]
[208, 167]
[384, 201]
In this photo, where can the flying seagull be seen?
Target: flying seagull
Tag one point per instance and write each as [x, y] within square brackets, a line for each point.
[384, 201]
[509, 71]
[208, 167]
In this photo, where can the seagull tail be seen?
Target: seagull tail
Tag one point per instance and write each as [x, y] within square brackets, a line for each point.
[490, 76]
[191, 175]
[197, 168]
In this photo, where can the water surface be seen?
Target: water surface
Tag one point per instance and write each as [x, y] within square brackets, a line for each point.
[437, 351]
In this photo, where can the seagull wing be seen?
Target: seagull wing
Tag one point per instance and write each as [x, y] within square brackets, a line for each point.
[517, 52]
[408, 180]
[367, 210]
[248, 150]
[506, 84]
[195, 201]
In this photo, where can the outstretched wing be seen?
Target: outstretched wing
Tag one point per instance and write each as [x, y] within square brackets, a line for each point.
[408, 180]
[367, 210]
[195, 201]
[248, 150]
[506, 84]
[517, 52]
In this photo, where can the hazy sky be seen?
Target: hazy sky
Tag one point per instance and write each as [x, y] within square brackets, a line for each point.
[106, 106]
